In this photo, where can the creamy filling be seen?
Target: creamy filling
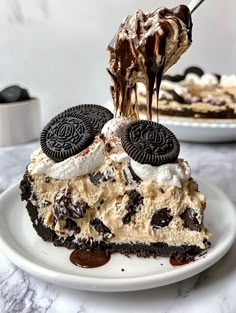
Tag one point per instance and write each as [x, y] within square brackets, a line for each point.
[108, 202]
[228, 81]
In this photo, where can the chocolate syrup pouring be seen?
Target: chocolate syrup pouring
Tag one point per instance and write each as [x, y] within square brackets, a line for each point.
[138, 54]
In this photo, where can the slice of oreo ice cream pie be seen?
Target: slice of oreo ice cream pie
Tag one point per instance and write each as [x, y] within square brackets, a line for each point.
[119, 186]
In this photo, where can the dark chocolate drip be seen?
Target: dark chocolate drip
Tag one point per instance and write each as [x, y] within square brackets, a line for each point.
[158, 84]
[153, 69]
[135, 105]
[123, 53]
[89, 258]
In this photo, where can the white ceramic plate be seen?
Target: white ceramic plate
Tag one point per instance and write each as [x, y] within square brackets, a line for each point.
[23, 247]
[202, 130]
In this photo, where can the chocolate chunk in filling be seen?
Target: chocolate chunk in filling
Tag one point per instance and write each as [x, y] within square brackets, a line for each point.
[134, 175]
[134, 203]
[161, 218]
[60, 205]
[101, 228]
[190, 220]
[72, 225]
[64, 207]
[97, 178]
[77, 209]
[45, 203]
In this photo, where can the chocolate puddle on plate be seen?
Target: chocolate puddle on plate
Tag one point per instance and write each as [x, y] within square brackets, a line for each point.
[176, 261]
[100, 257]
[89, 259]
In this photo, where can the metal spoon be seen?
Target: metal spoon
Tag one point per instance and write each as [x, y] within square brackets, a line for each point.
[194, 4]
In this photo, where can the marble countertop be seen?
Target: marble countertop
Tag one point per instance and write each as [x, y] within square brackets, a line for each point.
[211, 291]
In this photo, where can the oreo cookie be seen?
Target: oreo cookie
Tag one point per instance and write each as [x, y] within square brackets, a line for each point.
[194, 70]
[174, 78]
[14, 94]
[218, 76]
[178, 78]
[151, 143]
[97, 115]
[65, 136]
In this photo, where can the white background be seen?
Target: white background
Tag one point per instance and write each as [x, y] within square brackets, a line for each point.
[57, 48]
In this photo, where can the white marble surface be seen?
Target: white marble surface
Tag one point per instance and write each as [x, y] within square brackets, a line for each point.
[211, 291]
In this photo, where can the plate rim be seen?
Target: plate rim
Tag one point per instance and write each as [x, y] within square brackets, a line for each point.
[200, 122]
[97, 283]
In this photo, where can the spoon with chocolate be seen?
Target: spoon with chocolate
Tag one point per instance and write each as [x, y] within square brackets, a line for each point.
[144, 48]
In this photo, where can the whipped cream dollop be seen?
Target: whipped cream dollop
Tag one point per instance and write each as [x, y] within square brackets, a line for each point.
[80, 164]
[114, 127]
[112, 131]
[228, 80]
[190, 80]
[173, 174]
[104, 149]
[206, 79]
[89, 159]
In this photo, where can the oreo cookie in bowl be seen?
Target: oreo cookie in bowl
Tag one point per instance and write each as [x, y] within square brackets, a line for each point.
[196, 105]
[20, 116]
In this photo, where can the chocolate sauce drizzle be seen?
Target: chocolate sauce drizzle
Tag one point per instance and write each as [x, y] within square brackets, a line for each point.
[137, 53]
